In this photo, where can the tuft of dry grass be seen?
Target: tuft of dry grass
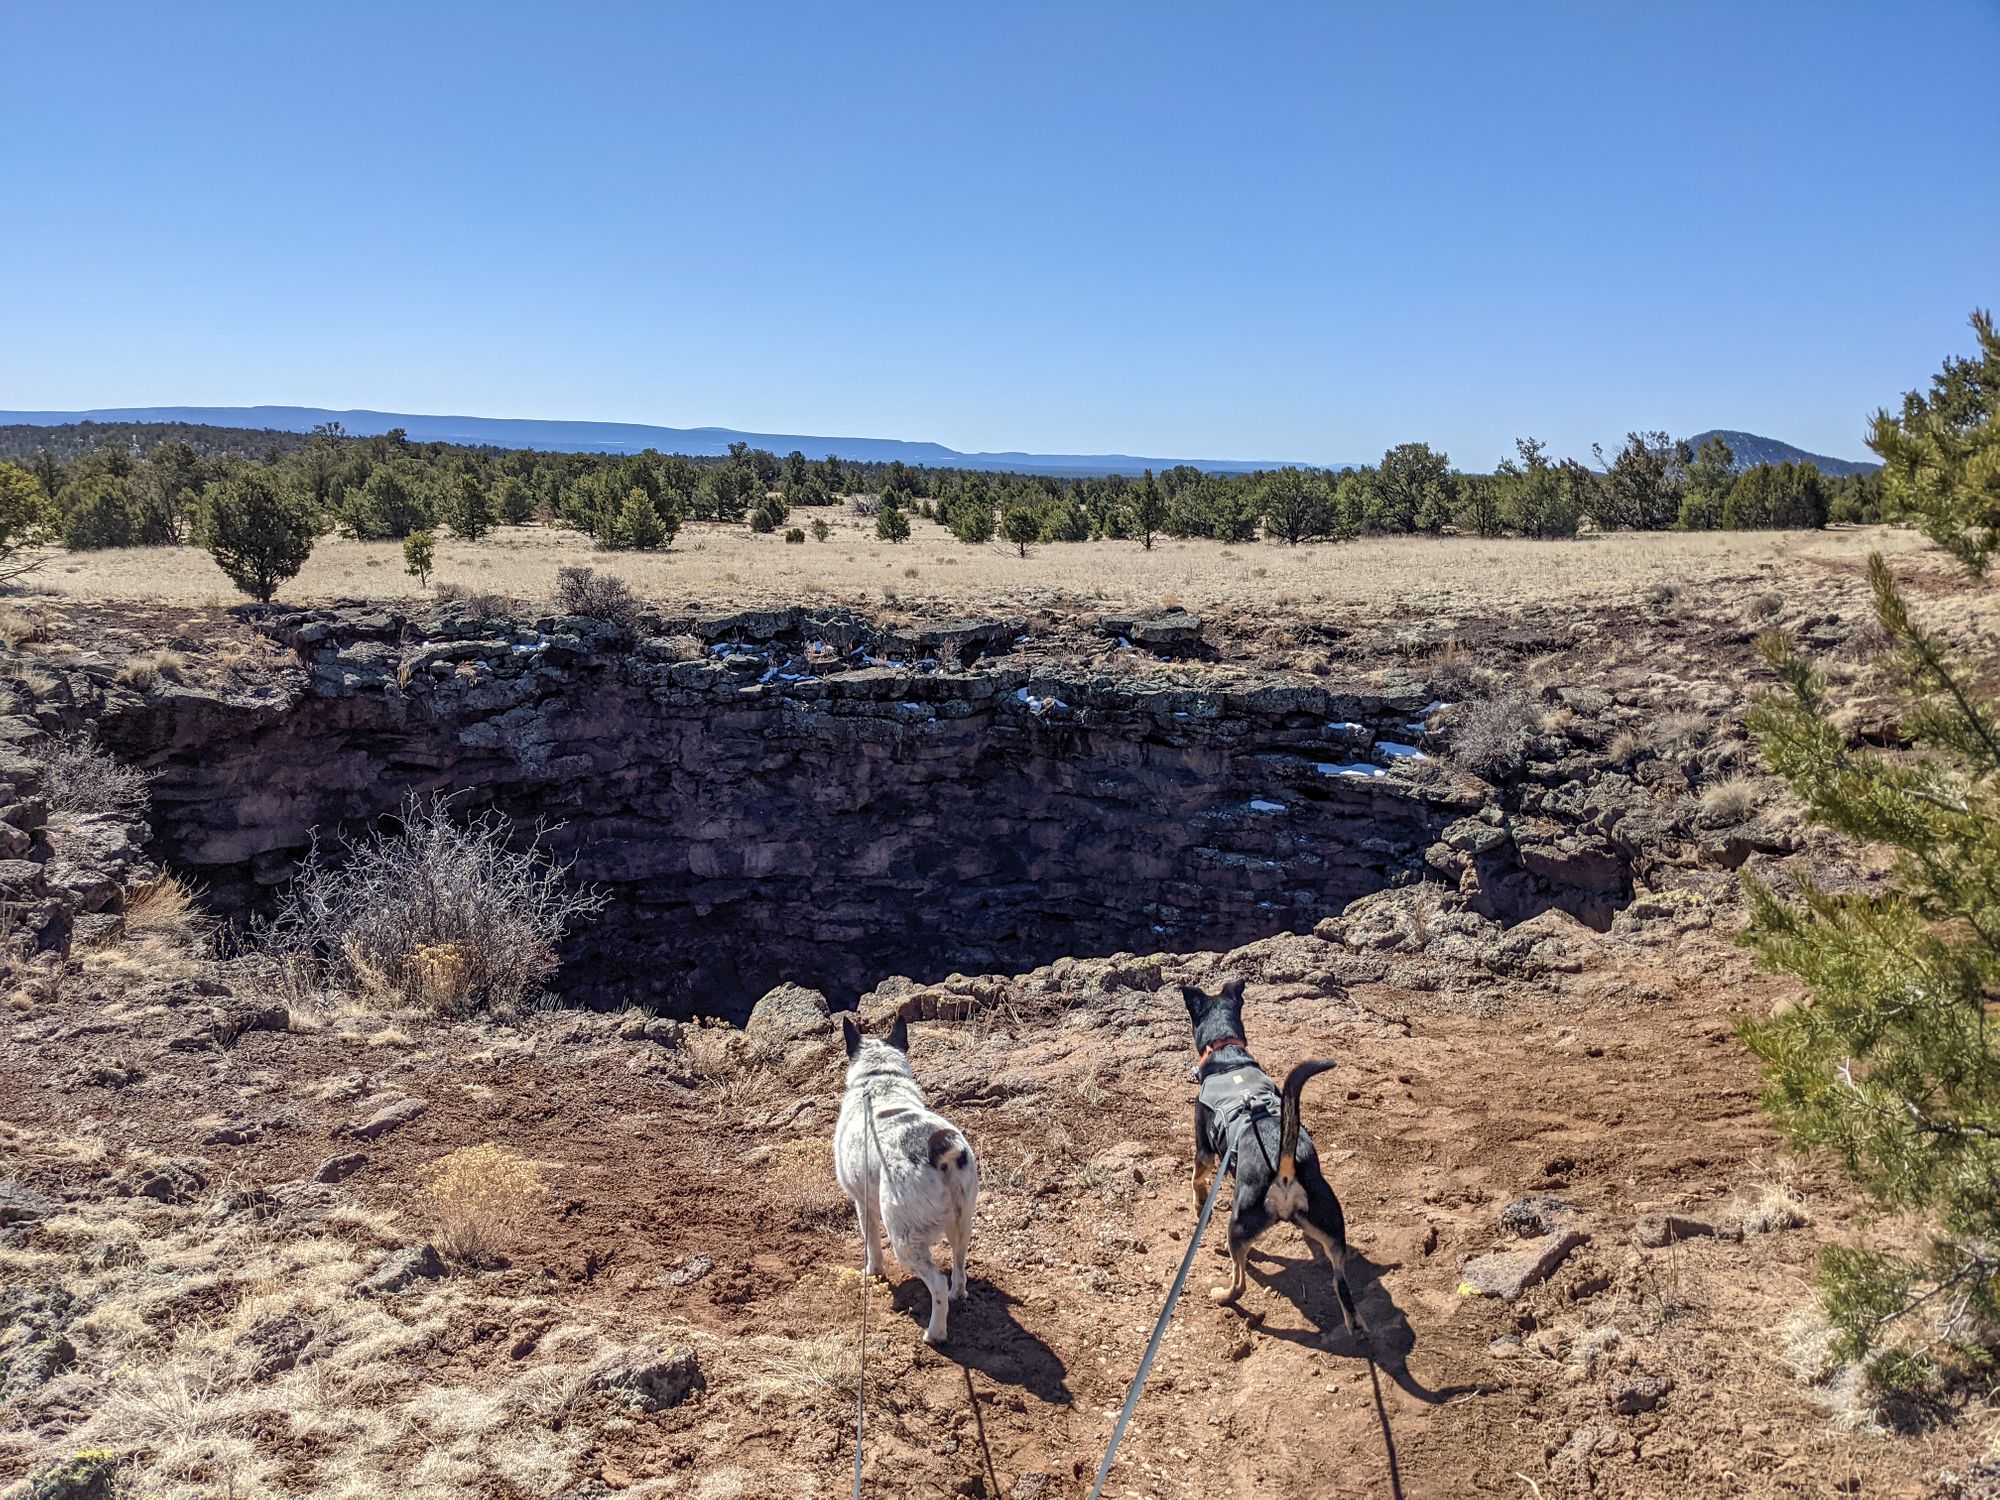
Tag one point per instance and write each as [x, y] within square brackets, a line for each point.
[20, 627]
[1729, 801]
[167, 907]
[147, 670]
[819, 1367]
[475, 1199]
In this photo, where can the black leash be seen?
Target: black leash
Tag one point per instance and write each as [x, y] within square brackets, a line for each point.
[1159, 1328]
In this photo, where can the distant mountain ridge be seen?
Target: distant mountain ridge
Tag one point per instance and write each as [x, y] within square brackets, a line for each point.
[1751, 450]
[628, 437]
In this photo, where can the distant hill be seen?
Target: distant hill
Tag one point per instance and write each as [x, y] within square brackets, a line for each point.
[1751, 450]
[625, 437]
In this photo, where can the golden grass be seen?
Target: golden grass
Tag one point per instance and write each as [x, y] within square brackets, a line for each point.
[713, 566]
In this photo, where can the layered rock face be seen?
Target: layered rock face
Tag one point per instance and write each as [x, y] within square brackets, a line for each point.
[783, 797]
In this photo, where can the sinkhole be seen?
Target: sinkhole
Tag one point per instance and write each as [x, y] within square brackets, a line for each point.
[862, 816]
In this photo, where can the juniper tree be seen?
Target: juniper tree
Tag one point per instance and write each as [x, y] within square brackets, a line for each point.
[466, 507]
[420, 556]
[258, 531]
[891, 525]
[638, 524]
[27, 520]
[1895, 1065]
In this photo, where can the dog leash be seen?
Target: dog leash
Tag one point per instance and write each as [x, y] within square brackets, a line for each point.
[1159, 1328]
[861, 1365]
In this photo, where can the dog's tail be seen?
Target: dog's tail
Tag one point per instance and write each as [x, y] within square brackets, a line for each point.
[1288, 1114]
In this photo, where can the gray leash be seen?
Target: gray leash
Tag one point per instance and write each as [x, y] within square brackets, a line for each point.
[861, 1366]
[1159, 1328]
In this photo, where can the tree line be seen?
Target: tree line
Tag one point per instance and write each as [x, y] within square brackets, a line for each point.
[168, 484]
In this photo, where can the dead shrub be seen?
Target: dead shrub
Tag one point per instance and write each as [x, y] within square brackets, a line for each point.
[1492, 736]
[1663, 598]
[1676, 730]
[81, 776]
[1627, 746]
[439, 916]
[1765, 606]
[1453, 675]
[476, 1198]
[478, 604]
[597, 596]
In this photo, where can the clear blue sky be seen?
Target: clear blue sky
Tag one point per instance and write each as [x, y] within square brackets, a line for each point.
[1271, 231]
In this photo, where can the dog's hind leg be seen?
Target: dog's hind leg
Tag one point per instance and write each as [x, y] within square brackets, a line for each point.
[1336, 1252]
[961, 1245]
[918, 1258]
[1245, 1224]
[1204, 1159]
[868, 1209]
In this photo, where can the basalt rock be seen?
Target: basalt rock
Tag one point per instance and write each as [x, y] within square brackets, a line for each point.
[791, 795]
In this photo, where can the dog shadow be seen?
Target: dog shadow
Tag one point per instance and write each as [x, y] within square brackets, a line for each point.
[986, 1336]
[1306, 1282]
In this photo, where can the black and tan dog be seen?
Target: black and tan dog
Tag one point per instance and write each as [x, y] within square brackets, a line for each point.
[1277, 1171]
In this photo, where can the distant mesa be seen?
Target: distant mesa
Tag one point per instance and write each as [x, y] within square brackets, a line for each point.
[628, 437]
[1751, 450]
[713, 442]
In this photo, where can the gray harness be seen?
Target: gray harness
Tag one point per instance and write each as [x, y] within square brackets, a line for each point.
[1239, 1098]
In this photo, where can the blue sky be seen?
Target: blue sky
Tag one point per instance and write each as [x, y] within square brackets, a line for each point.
[1296, 232]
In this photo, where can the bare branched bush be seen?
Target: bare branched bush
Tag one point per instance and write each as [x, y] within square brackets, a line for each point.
[1490, 739]
[440, 916]
[599, 596]
[477, 603]
[1679, 731]
[81, 776]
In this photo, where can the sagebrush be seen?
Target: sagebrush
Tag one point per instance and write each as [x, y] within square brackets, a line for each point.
[440, 915]
[81, 776]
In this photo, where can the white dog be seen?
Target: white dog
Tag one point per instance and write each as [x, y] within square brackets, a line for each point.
[910, 1170]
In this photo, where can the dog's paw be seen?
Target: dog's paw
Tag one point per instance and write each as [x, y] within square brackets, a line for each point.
[1222, 1294]
[933, 1336]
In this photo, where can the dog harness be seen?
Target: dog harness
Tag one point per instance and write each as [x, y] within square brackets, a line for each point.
[1239, 1097]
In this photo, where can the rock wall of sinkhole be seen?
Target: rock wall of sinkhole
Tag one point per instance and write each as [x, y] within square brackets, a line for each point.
[784, 796]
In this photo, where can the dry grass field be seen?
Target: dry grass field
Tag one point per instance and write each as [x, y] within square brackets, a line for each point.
[712, 565]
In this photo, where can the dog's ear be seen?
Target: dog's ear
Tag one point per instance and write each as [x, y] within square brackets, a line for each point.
[899, 1035]
[1196, 1001]
[850, 1034]
[1233, 990]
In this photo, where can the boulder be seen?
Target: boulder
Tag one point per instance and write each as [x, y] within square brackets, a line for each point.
[341, 1167]
[1658, 1230]
[1171, 632]
[788, 1013]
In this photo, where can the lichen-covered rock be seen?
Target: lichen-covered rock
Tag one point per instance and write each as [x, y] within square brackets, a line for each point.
[788, 1013]
[651, 1377]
